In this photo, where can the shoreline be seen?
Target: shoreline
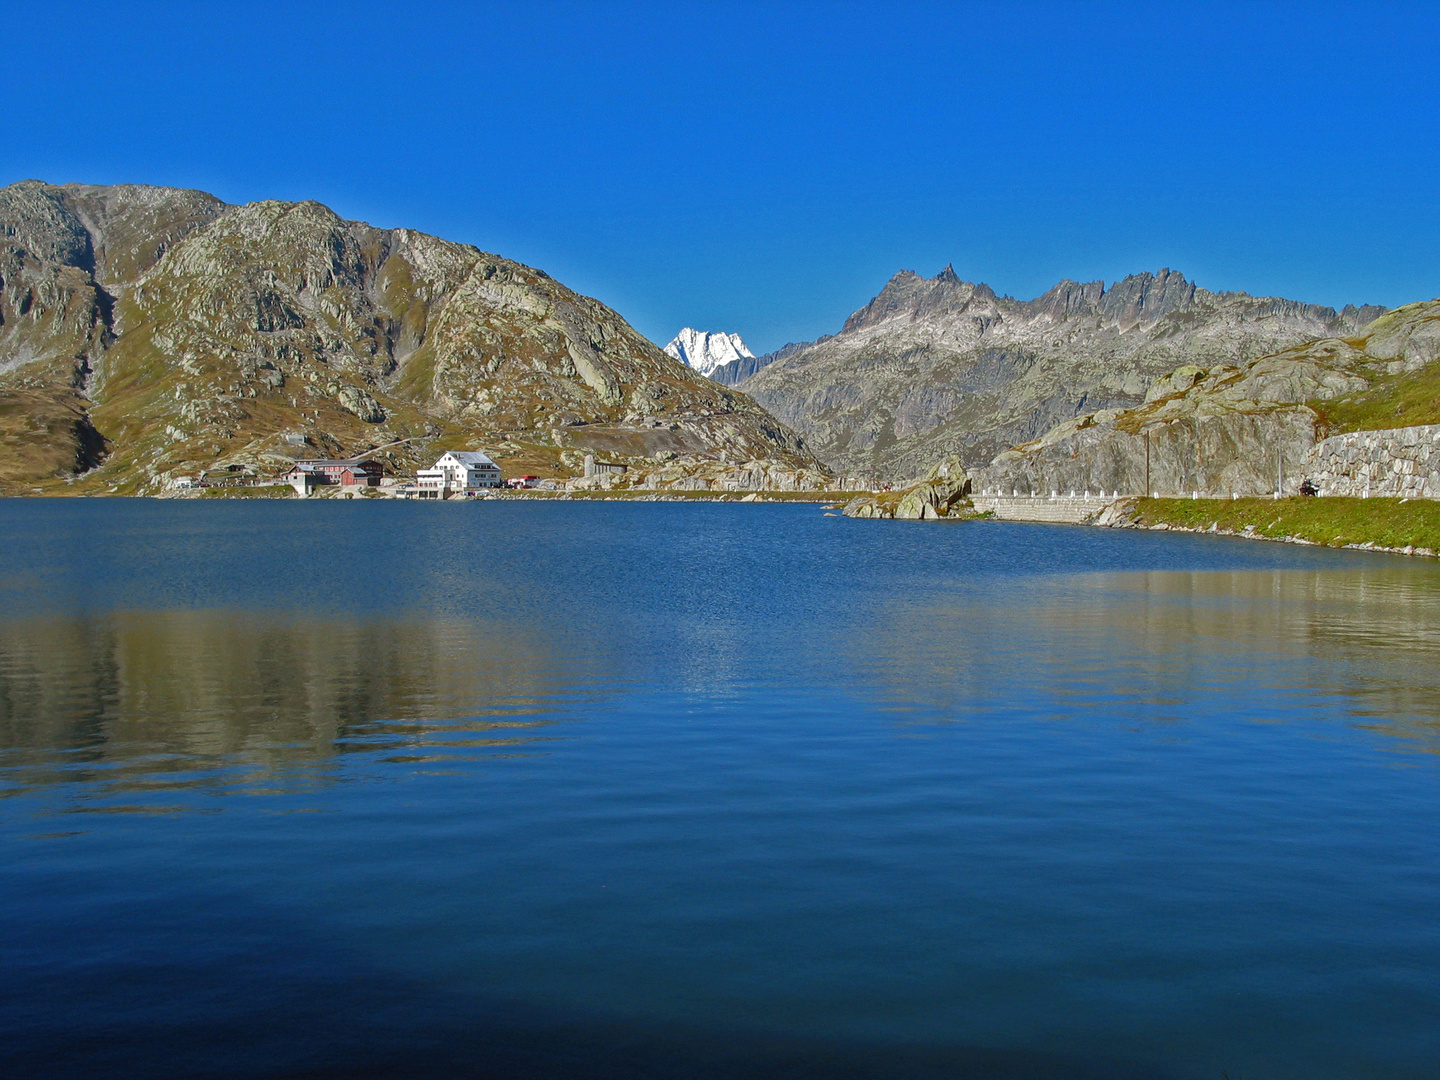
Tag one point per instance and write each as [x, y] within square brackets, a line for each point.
[1356, 516]
[1409, 549]
[1337, 522]
[283, 493]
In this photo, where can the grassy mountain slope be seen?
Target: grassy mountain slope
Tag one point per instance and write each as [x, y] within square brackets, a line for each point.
[150, 332]
[1399, 365]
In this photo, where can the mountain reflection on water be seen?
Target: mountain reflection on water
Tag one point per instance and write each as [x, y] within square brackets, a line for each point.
[131, 698]
[562, 790]
[1365, 638]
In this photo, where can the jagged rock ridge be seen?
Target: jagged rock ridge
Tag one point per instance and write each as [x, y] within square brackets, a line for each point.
[147, 332]
[938, 366]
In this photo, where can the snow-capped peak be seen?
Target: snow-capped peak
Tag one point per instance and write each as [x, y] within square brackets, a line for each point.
[705, 351]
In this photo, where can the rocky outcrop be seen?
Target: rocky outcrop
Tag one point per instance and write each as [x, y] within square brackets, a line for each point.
[1408, 341]
[359, 402]
[865, 506]
[940, 494]
[188, 333]
[1199, 446]
[935, 366]
[944, 486]
[1243, 430]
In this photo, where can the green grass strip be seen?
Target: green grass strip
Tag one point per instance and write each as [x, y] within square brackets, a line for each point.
[1329, 520]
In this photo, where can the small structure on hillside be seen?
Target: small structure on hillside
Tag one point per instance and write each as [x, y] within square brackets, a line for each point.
[602, 468]
[458, 472]
[227, 476]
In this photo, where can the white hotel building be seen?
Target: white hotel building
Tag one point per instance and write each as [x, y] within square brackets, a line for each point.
[457, 472]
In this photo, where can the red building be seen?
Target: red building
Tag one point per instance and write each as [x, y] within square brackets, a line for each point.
[346, 471]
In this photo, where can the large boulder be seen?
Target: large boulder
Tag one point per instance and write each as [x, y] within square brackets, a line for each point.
[945, 485]
[915, 502]
[862, 506]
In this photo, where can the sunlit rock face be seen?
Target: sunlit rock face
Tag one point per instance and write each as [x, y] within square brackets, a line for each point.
[1245, 429]
[939, 366]
[150, 332]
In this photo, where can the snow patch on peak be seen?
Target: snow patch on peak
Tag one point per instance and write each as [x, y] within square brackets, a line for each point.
[705, 351]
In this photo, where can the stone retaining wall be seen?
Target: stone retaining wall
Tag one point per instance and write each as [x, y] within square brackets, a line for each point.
[1065, 510]
[1401, 461]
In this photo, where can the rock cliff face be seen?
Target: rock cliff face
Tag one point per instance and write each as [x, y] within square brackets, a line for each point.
[1230, 429]
[741, 368]
[151, 332]
[935, 366]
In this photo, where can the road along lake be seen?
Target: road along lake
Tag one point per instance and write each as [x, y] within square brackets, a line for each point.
[607, 790]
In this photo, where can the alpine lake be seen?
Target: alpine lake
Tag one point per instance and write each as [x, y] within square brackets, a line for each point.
[596, 789]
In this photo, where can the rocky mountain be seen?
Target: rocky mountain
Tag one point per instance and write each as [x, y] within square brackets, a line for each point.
[151, 332]
[1239, 428]
[705, 351]
[737, 371]
[723, 358]
[939, 366]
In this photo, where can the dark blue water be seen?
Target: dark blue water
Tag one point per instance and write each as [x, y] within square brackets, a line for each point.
[606, 790]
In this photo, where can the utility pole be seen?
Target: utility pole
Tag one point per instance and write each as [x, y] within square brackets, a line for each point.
[1279, 472]
[1147, 464]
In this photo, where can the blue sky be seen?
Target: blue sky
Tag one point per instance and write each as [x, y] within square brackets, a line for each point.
[764, 168]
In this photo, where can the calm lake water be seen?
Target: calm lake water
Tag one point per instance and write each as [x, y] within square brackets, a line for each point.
[604, 790]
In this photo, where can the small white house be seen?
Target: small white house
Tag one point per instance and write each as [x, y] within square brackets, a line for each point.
[456, 472]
